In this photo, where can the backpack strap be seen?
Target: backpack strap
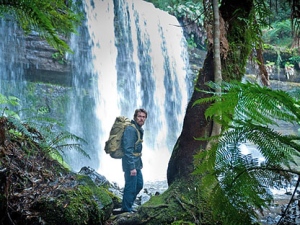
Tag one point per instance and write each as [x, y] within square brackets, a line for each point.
[138, 141]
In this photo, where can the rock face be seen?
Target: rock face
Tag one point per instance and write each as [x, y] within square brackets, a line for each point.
[39, 55]
[28, 51]
[41, 62]
[31, 57]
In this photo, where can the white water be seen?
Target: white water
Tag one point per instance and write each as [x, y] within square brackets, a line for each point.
[127, 55]
[144, 66]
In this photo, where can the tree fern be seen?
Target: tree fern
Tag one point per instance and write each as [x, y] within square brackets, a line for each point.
[248, 113]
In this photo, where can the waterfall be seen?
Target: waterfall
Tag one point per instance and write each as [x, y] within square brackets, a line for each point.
[12, 41]
[127, 55]
[138, 59]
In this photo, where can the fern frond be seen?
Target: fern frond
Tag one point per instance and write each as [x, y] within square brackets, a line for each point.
[272, 145]
[50, 19]
[61, 141]
[206, 159]
[41, 132]
[245, 101]
[249, 113]
[16, 124]
[265, 106]
[77, 147]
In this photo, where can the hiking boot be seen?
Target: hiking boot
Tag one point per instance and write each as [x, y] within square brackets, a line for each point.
[117, 211]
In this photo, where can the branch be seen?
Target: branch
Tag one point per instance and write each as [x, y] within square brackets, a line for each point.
[291, 199]
[265, 168]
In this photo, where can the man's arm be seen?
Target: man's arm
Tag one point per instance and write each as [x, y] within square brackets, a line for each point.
[129, 140]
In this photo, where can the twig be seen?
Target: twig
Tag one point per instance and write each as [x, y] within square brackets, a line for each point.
[186, 208]
[8, 183]
[290, 202]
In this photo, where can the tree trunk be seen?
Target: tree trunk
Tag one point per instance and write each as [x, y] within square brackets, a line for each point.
[216, 130]
[195, 124]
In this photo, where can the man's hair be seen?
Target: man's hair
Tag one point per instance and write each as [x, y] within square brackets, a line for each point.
[139, 111]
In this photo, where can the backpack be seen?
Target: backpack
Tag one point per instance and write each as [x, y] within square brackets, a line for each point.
[113, 145]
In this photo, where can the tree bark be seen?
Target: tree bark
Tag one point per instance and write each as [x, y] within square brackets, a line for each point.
[216, 130]
[195, 124]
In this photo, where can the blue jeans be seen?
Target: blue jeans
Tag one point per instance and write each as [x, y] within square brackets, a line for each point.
[133, 185]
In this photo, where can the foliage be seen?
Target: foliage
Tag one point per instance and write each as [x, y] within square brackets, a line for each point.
[51, 19]
[279, 10]
[245, 35]
[165, 4]
[279, 34]
[182, 203]
[191, 16]
[238, 184]
[47, 132]
[191, 10]
[58, 56]
[295, 59]
[4, 102]
[36, 188]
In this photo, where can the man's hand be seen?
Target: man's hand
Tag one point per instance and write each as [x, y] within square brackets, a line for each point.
[133, 172]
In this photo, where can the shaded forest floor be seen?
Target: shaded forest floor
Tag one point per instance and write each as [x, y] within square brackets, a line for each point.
[27, 174]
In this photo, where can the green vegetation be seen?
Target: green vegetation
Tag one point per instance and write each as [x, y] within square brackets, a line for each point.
[4, 104]
[165, 4]
[54, 20]
[279, 34]
[59, 57]
[181, 204]
[46, 190]
[234, 183]
[191, 15]
[48, 132]
[233, 188]
[75, 206]
[36, 188]
[271, 26]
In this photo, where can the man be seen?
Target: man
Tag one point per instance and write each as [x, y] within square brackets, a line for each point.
[132, 162]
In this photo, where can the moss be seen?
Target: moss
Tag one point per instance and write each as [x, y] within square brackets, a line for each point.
[81, 205]
[181, 222]
[180, 204]
[85, 180]
[56, 156]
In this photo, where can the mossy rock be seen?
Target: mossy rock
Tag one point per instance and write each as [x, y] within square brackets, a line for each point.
[87, 180]
[80, 205]
[178, 205]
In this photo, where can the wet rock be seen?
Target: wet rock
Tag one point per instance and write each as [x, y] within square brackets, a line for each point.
[97, 178]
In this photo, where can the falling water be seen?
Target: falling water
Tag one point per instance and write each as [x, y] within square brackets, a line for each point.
[12, 41]
[127, 55]
[138, 59]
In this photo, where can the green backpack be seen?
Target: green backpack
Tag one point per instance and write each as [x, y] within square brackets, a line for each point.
[113, 145]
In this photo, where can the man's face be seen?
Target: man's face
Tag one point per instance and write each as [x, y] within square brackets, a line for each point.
[141, 118]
